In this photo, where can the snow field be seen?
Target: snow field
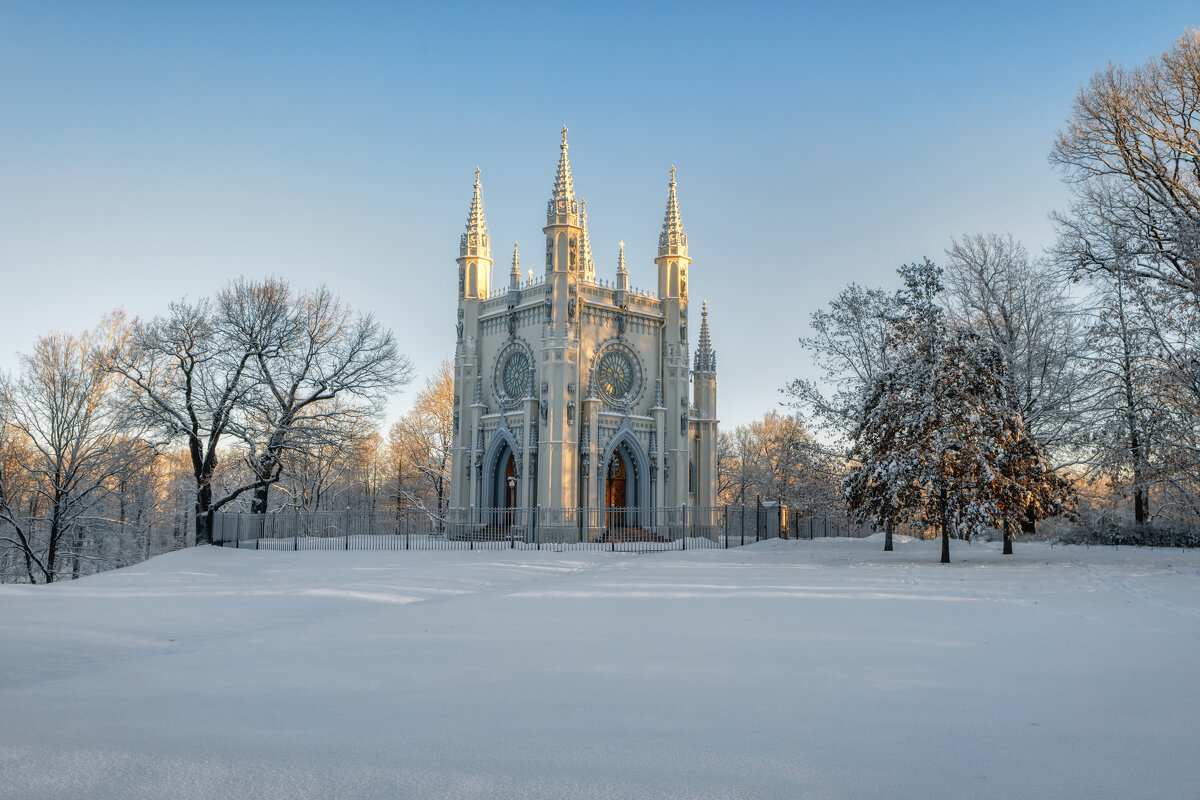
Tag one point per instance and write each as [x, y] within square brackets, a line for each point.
[824, 669]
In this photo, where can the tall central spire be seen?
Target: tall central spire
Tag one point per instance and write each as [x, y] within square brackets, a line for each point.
[562, 201]
[672, 237]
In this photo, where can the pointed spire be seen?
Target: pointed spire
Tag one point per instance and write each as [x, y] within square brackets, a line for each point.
[706, 359]
[589, 266]
[514, 275]
[622, 285]
[475, 240]
[672, 236]
[562, 201]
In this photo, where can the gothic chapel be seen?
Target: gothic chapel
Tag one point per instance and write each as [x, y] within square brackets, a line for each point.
[573, 392]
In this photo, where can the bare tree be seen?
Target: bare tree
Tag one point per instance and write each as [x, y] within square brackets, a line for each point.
[851, 345]
[62, 409]
[308, 352]
[421, 443]
[1132, 157]
[1121, 408]
[188, 381]
[775, 458]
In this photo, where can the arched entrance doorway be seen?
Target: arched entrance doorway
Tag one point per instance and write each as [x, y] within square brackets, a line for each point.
[624, 493]
[501, 491]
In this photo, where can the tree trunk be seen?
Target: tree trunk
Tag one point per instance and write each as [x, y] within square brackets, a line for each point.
[75, 555]
[945, 528]
[1008, 538]
[51, 564]
[258, 504]
[203, 515]
[887, 537]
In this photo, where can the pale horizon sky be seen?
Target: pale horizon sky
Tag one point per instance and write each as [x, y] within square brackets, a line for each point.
[154, 151]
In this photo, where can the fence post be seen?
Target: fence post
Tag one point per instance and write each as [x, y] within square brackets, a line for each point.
[725, 515]
[683, 540]
[347, 527]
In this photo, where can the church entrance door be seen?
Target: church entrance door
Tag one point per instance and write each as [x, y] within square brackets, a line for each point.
[617, 485]
[510, 482]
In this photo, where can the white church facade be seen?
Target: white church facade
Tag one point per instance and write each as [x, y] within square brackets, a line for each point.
[572, 392]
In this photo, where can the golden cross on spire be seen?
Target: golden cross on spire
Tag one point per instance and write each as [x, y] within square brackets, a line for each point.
[564, 135]
[477, 174]
[672, 173]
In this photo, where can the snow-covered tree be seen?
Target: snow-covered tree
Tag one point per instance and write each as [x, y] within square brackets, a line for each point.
[1023, 309]
[938, 442]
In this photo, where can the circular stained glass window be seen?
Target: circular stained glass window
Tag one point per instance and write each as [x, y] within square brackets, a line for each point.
[515, 374]
[615, 375]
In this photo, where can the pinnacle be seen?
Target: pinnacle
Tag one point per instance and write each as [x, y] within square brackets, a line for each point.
[706, 359]
[622, 272]
[589, 266]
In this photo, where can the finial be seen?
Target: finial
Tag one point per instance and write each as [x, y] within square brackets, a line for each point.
[564, 135]
[477, 176]
[672, 173]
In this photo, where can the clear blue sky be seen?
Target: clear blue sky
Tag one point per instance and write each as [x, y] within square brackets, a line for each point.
[150, 151]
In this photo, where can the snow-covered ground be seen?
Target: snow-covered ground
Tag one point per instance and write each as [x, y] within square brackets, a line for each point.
[819, 668]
